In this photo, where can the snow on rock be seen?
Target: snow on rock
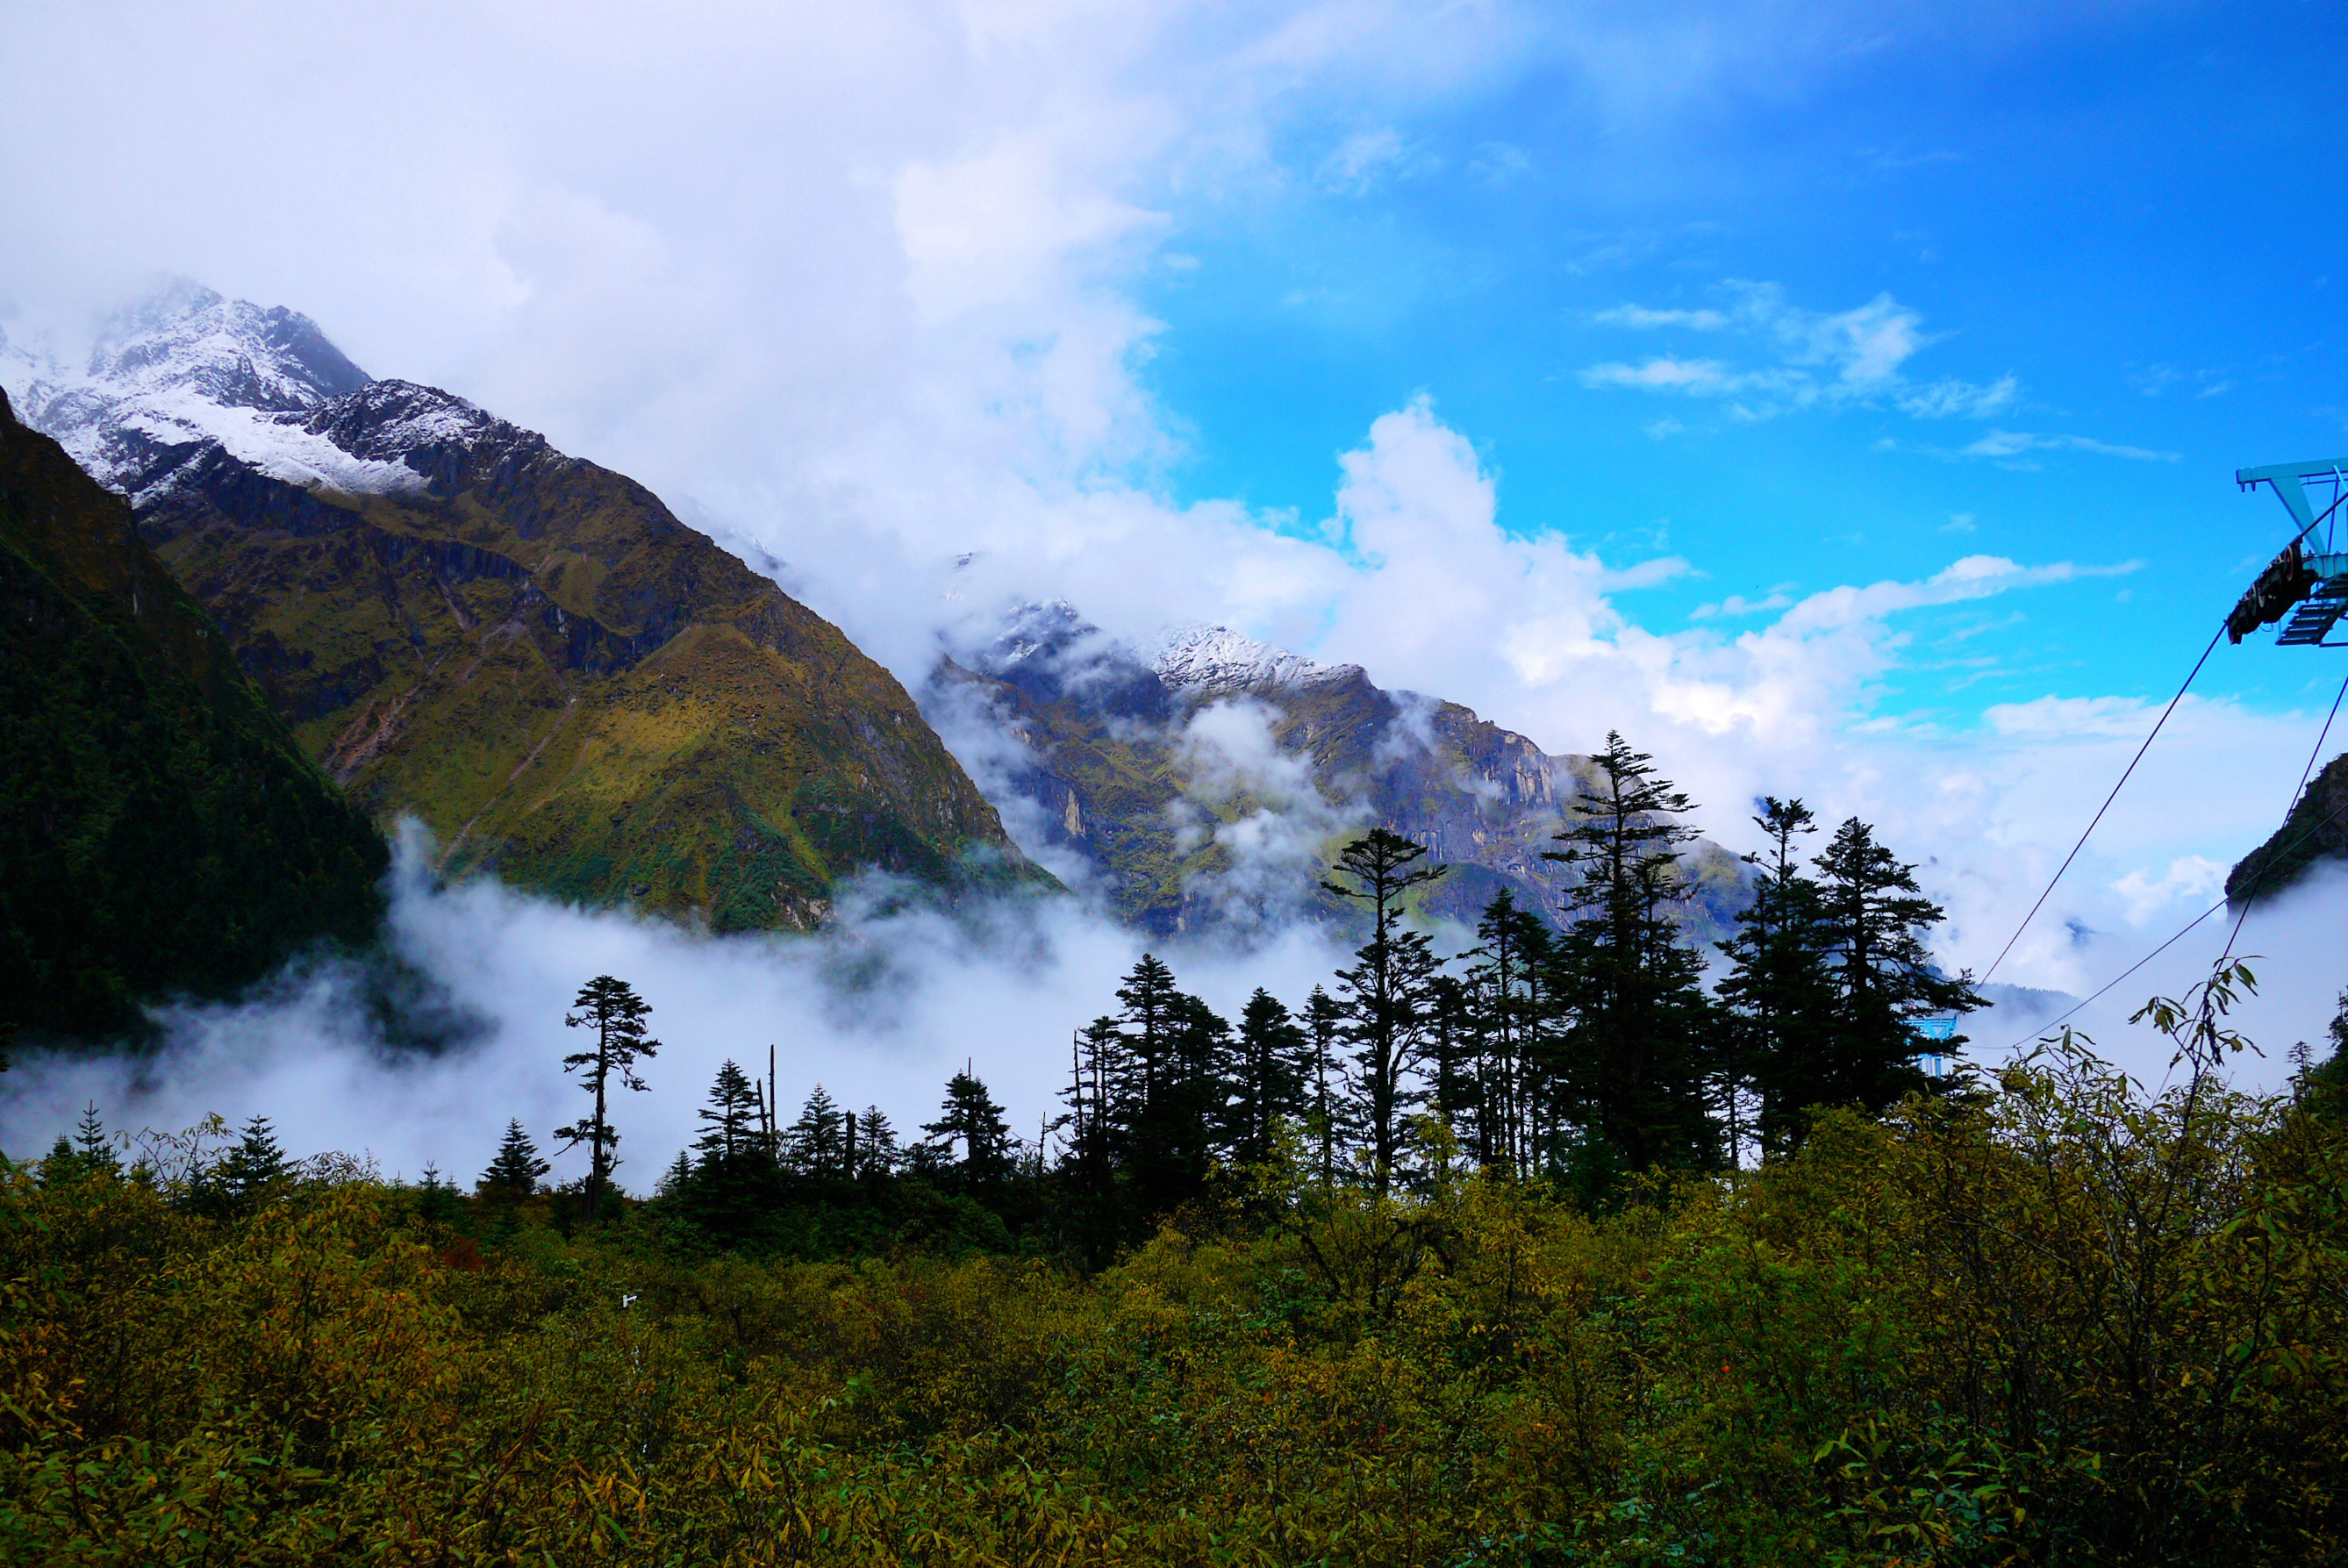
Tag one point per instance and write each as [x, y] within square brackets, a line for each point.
[1218, 659]
[187, 368]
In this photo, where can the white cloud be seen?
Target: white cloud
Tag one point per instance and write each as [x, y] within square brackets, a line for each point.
[1367, 159]
[2000, 445]
[1959, 400]
[1737, 605]
[1820, 357]
[1640, 315]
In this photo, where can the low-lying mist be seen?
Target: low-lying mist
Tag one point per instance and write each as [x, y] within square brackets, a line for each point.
[881, 1009]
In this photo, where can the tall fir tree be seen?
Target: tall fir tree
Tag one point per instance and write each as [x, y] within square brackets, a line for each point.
[1506, 984]
[877, 1153]
[1327, 1119]
[1267, 1079]
[253, 1167]
[515, 1170]
[1779, 989]
[1162, 1120]
[91, 1146]
[734, 1120]
[1636, 1057]
[970, 1121]
[612, 1009]
[1875, 918]
[821, 1138]
[1385, 989]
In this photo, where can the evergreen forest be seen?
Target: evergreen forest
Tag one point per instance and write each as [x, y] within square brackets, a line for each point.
[1582, 1245]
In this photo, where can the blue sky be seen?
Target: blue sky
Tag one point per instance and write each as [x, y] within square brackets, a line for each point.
[2129, 216]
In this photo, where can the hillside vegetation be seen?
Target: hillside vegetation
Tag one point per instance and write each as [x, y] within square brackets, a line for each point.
[161, 830]
[565, 683]
[2063, 1322]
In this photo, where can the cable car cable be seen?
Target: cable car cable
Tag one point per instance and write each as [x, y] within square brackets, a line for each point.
[2330, 818]
[2102, 808]
[2304, 774]
[2041, 1029]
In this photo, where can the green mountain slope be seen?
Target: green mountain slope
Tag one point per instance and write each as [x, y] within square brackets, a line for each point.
[564, 682]
[159, 829]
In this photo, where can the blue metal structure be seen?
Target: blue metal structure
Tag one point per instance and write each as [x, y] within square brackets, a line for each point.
[1936, 1027]
[2309, 580]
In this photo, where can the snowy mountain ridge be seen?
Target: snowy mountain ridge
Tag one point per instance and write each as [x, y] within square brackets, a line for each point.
[1216, 659]
[187, 368]
[1193, 657]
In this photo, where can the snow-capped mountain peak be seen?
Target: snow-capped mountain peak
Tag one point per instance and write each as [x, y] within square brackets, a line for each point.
[188, 338]
[1203, 658]
[187, 368]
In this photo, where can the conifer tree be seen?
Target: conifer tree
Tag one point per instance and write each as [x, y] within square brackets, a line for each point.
[435, 1199]
[1098, 1076]
[1779, 988]
[819, 1139]
[90, 1145]
[1161, 1118]
[253, 1166]
[1327, 1118]
[1513, 953]
[1874, 918]
[1183, 1134]
[1636, 1059]
[971, 1120]
[733, 1132]
[610, 1008]
[1149, 997]
[1268, 1079]
[515, 1170]
[1452, 1056]
[1385, 988]
[875, 1144]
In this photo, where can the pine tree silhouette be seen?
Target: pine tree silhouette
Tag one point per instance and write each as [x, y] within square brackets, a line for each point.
[515, 1170]
[91, 1147]
[971, 1120]
[611, 1008]
[1874, 918]
[254, 1167]
[1779, 988]
[1268, 1079]
[1638, 1048]
[1386, 990]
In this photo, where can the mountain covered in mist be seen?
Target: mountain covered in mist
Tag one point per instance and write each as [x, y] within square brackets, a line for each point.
[528, 652]
[161, 830]
[2315, 831]
[1206, 779]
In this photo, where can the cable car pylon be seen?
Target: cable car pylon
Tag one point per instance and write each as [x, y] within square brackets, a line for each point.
[2309, 580]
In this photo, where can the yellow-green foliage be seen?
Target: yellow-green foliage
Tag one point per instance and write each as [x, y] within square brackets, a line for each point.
[2070, 1327]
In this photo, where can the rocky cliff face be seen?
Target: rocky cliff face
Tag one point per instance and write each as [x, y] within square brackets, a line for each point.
[161, 830]
[1208, 779]
[528, 652]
